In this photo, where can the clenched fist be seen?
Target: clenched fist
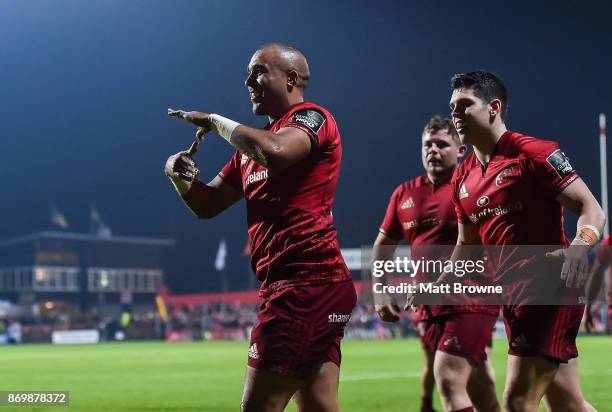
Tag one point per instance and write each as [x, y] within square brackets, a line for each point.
[182, 171]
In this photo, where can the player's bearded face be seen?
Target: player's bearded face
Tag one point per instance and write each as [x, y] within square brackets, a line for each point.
[266, 83]
[470, 114]
[439, 153]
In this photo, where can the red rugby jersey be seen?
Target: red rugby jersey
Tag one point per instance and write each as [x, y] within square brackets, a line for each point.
[289, 214]
[511, 200]
[422, 214]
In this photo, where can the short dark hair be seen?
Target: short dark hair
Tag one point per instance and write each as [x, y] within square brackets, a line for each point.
[485, 85]
[438, 123]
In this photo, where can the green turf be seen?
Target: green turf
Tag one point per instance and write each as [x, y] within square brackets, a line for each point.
[376, 375]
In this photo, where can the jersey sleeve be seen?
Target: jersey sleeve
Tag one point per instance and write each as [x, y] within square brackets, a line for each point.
[231, 174]
[314, 123]
[391, 226]
[551, 168]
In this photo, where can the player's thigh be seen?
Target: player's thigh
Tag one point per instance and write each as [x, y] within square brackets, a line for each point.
[564, 392]
[481, 387]
[319, 392]
[451, 369]
[266, 391]
[482, 376]
[528, 378]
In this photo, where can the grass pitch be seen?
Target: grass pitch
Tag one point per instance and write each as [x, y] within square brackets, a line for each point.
[376, 375]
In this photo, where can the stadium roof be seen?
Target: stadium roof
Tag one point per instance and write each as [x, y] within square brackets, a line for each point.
[88, 238]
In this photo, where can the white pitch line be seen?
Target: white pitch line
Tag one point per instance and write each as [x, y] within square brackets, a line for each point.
[377, 376]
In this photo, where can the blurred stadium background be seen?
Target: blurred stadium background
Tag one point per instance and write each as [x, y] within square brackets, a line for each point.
[96, 247]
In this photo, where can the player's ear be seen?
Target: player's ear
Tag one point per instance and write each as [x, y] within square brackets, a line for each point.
[495, 107]
[461, 151]
[293, 79]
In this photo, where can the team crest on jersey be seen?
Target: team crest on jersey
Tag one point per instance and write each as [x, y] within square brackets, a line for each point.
[463, 193]
[559, 161]
[506, 175]
[243, 159]
[482, 201]
[407, 204]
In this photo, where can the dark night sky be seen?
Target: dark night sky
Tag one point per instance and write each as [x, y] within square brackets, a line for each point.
[85, 87]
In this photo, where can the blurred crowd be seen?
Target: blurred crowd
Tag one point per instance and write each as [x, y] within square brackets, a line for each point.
[208, 321]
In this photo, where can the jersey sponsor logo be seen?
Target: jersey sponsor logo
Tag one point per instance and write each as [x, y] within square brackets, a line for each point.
[407, 204]
[243, 159]
[429, 222]
[463, 193]
[559, 161]
[312, 119]
[506, 175]
[333, 318]
[410, 224]
[500, 210]
[482, 201]
[257, 176]
[253, 351]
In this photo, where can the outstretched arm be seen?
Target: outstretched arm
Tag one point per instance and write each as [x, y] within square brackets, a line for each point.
[275, 151]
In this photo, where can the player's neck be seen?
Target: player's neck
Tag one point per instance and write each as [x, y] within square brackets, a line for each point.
[291, 101]
[485, 144]
[438, 179]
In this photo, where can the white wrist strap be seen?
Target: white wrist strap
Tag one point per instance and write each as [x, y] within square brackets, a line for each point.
[584, 242]
[224, 126]
[590, 227]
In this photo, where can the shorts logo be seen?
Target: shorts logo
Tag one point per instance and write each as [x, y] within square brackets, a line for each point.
[506, 175]
[463, 193]
[559, 161]
[253, 351]
[333, 318]
[452, 343]
[482, 201]
[520, 342]
[407, 204]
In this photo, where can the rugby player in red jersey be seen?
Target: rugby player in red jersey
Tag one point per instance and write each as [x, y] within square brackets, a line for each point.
[453, 338]
[603, 260]
[287, 173]
[511, 191]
